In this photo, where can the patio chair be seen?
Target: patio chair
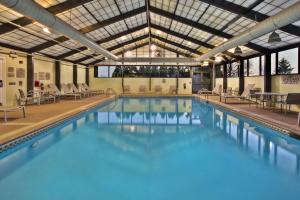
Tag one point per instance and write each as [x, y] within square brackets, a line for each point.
[158, 89]
[244, 96]
[20, 106]
[291, 99]
[142, 89]
[30, 98]
[67, 92]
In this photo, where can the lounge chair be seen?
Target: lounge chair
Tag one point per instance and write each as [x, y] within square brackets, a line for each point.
[142, 89]
[244, 96]
[126, 89]
[67, 92]
[96, 92]
[77, 91]
[158, 89]
[216, 91]
[20, 106]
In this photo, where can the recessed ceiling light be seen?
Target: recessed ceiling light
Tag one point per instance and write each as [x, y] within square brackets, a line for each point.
[146, 29]
[46, 30]
[225, 40]
[124, 37]
[128, 53]
[189, 43]
[158, 32]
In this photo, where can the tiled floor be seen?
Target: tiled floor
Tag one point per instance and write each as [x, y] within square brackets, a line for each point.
[42, 115]
[285, 121]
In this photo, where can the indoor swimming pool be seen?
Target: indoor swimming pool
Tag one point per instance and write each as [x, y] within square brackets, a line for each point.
[153, 148]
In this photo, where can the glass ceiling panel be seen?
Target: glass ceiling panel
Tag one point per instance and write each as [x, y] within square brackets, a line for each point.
[77, 17]
[20, 38]
[48, 3]
[191, 9]
[164, 5]
[239, 26]
[129, 5]
[160, 20]
[285, 37]
[103, 9]
[136, 20]
[7, 14]
[272, 7]
[98, 34]
[55, 50]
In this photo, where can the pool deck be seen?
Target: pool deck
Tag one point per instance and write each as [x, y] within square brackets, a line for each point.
[41, 116]
[277, 120]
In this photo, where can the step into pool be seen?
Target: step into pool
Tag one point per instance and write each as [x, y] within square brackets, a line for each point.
[153, 148]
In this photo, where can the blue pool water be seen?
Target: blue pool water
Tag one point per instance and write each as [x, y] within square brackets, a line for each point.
[153, 148]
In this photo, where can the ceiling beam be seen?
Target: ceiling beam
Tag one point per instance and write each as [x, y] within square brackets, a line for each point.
[190, 39]
[177, 44]
[250, 14]
[203, 27]
[120, 45]
[90, 28]
[112, 37]
[121, 52]
[56, 9]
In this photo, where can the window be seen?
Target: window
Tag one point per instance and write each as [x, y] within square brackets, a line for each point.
[233, 69]
[288, 61]
[262, 72]
[273, 63]
[103, 72]
[246, 67]
[115, 71]
[219, 71]
[183, 72]
[254, 66]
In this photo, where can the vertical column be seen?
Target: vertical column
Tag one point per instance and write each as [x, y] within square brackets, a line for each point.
[57, 74]
[213, 83]
[95, 71]
[267, 74]
[75, 74]
[225, 76]
[30, 73]
[241, 77]
[87, 75]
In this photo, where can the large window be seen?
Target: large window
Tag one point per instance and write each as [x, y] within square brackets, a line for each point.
[103, 72]
[254, 66]
[233, 69]
[245, 67]
[142, 71]
[288, 61]
[262, 67]
[219, 71]
[109, 71]
[273, 63]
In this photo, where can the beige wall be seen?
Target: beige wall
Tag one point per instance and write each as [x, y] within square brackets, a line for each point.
[135, 83]
[165, 83]
[80, 74]
[219, 81]
[188, 84]
[12, 84]
[66, 74]
[46, 66]
[257, 80]
[278, 86]
[233, 82]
